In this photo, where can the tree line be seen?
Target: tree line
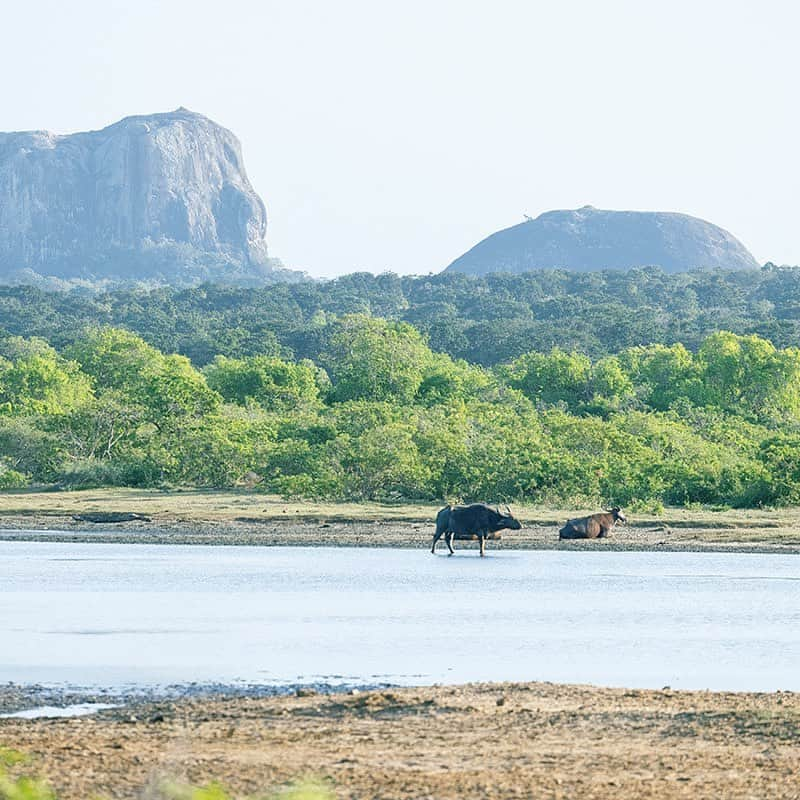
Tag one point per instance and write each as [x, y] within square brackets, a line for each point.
[486, 321]
[379, 414]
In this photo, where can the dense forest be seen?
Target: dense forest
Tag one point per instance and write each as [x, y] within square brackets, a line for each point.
[485, 321]
[579, 389]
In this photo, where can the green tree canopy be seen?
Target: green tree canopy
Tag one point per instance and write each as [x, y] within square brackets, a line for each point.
[35, 379]
[164, 385]
[554, 377]
[749, 374]
[372, 359]
[661, 373]
[269, 382]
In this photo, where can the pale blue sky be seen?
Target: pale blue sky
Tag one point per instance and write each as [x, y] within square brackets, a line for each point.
[396, 135]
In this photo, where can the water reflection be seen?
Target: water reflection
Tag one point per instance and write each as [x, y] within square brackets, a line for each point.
[112, 614]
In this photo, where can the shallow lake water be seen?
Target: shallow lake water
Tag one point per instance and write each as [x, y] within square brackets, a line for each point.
[54, 712]
[111, 615]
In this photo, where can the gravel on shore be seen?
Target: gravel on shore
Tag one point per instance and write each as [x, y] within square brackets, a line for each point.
[376, 533]
[445, 742]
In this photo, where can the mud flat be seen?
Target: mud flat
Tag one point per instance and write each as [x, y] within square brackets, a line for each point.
[476, 741]
[243, 518]
[392, 533]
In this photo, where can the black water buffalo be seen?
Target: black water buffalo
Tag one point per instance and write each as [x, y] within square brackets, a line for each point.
[476, 521]
[595, 526]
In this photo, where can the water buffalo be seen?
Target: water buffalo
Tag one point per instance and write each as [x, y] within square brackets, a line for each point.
[595, 526]
[477, 521]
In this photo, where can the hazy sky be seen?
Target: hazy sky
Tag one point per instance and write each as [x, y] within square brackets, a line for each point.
[397, 135]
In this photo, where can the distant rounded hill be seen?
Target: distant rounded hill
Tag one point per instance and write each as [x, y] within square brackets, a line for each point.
[589, 239]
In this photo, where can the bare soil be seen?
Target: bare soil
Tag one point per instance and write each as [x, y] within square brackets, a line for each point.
[243, 518]
[390, 533]
[476, 741]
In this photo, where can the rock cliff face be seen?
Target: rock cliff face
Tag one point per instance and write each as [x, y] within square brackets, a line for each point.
[160, 196]
[592, 239]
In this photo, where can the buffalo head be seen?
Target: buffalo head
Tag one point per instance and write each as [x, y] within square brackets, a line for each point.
[510, 521]
[618, 515]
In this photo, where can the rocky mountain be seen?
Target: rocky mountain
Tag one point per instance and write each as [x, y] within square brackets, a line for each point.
[592, 239]
[160, 197]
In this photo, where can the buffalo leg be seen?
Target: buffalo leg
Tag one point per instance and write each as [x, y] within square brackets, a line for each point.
[436, 537]
[483, 545]
[448, 537]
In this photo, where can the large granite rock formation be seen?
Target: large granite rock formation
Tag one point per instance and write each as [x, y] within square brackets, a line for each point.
[163, 196]
[592, 239]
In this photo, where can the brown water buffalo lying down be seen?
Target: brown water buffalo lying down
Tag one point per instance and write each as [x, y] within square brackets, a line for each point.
[595, 526]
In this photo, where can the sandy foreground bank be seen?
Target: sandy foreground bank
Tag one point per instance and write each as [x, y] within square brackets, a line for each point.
[476, 741]
[242, 518]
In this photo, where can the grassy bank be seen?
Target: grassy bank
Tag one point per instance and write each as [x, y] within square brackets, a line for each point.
[200, 506]
[241, 517]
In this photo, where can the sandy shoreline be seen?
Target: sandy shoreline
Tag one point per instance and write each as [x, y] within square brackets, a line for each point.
[482, 741]
[242, 517]
[374, 533]
[444, 742]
